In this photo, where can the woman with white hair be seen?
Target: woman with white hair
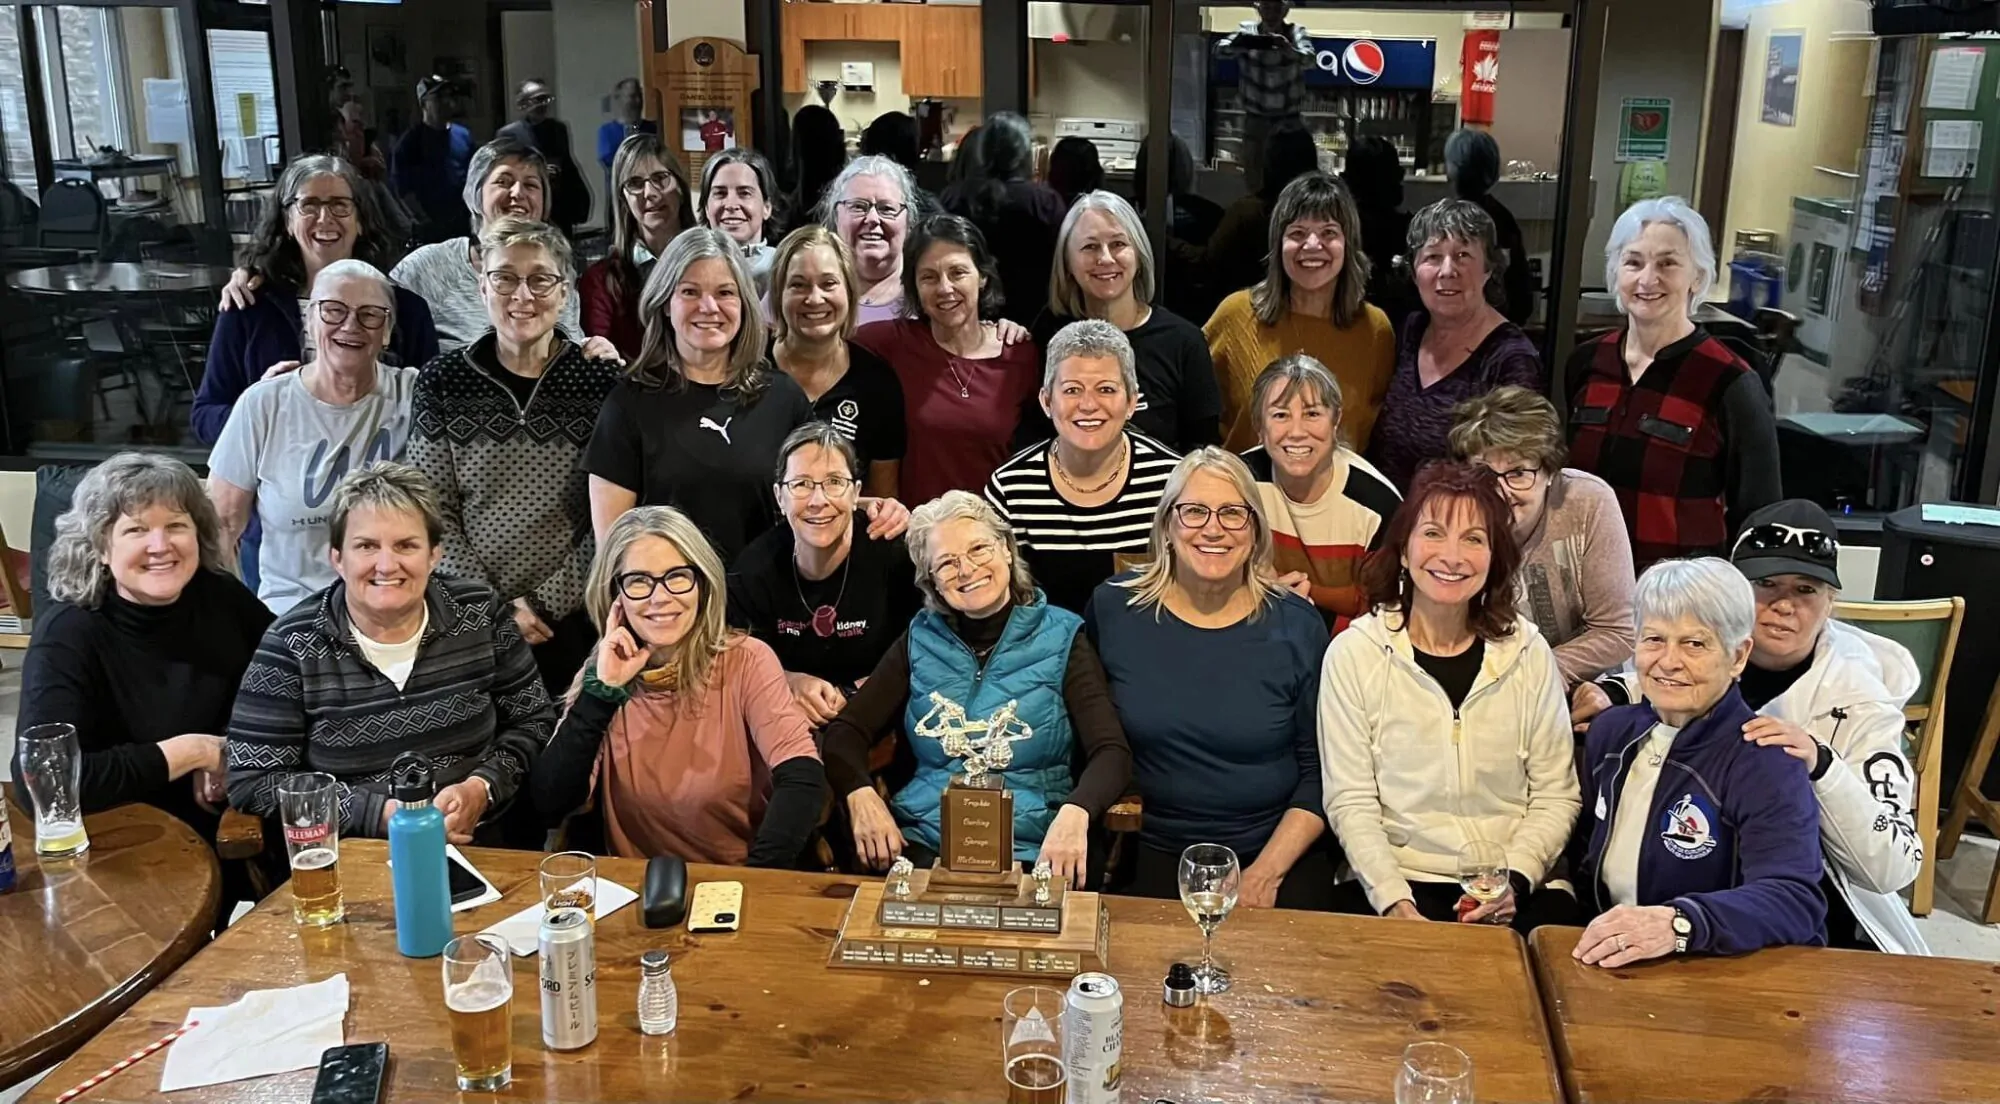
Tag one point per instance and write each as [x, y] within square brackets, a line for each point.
[872, 205]
[1693, 839]
[1678, 425]
[1080, 504]
[292, 438]
[682, 727]
[1214, 665]
[987, 646]
[147, 641]
[1104, 269]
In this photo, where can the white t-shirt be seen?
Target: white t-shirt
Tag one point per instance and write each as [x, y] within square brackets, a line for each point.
[291, 450]
[306, 349]
[1635, 804]
[393, 660]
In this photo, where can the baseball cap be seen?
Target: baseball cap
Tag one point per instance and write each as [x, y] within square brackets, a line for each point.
[1792, 537]
[432, 84]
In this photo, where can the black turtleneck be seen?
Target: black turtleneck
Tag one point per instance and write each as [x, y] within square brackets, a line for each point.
[876, 710]
[129, 676]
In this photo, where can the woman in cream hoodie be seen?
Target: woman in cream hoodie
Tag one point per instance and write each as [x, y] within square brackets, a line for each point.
[1442, 718]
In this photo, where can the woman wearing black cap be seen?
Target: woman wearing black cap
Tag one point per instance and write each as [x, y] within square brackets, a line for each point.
[1832, 696]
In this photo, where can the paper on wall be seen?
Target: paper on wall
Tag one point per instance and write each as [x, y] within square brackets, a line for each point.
[1953, 83]
[1951, 147]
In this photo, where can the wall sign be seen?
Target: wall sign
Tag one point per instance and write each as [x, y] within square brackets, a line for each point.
[704, 86]
[1645, 128]
[1356, 63]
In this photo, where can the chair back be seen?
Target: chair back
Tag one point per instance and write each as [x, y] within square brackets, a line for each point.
[1928, 627]
[20, 218]
[73, 216]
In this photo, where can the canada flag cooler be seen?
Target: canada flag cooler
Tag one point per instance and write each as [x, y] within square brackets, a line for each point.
[1479, 76]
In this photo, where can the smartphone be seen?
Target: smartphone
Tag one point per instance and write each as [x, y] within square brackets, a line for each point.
[351, 1074]
[465, 885]
[717, 907]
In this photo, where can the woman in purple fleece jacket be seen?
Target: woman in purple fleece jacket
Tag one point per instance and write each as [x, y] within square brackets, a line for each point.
[1691, 838]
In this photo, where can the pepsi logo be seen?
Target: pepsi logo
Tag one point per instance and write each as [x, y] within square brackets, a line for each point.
[1364, 61]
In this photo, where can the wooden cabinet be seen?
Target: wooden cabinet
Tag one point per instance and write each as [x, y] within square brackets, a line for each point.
[938, 45]
[941, 52]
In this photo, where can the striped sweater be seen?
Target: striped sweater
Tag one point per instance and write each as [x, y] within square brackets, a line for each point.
[310, 702]
[1073, 548]
[509, 477]
[1328, 539]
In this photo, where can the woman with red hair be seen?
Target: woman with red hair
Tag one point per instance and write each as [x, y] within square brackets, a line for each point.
[1442, 720]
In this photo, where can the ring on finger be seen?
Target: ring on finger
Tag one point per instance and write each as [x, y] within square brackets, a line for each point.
[1621, 942]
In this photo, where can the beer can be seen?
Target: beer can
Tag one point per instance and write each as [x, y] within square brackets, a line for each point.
[6, 854]
[1094, 1038]
[569, 980]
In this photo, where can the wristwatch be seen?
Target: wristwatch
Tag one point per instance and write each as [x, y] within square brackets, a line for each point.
[1683, 928]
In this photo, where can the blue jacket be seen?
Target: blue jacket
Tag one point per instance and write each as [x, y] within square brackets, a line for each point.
[1026, 668]
[247, 342]
[1737, 845]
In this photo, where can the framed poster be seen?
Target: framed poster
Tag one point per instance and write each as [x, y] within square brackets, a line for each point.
[1782, 54]
[704, 86]
[388, 57]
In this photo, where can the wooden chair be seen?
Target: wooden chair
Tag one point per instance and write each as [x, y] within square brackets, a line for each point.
[1928, 627]
[1971, 803]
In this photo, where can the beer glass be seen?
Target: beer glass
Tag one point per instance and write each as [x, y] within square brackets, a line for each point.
[569, 880]
[51, 774]
[309, 810]
[1434, 1073]
[1210, 878]
[1031, 1053]
[479, 997]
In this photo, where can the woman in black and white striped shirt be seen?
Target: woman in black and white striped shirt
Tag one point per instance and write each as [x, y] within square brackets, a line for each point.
[1082, 504]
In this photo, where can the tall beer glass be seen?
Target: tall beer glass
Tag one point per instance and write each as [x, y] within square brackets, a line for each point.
[51, 777]
[309, 809]
[479, 997]
[1031, 1053]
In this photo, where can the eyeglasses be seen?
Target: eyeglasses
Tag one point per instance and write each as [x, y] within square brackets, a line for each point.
[309, 209]
[1194, 515]
[540, 99]
[1520, 479]
[859, 208]
[1773, 537]
[333, 312]
[802, 488]
[662, 181]
[541, 285]
[948, 569]
[639, 586]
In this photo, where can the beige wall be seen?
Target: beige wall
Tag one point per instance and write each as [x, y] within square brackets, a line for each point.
[855, 109]
[1094, 80]
[1774, 163]
[1651, 48]
[596, 46]
[1533, 92]
[705, 19]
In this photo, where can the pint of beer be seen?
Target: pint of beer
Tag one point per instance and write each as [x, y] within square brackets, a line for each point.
[309, 811]
[479, 997]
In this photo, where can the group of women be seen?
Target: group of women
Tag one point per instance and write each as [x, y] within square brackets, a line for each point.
[681, 475]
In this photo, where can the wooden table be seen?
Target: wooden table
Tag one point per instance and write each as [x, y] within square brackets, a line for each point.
[83, 938]
[1322, 1006]
[1788, 1023]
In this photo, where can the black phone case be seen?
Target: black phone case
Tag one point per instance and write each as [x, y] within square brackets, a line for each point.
[665, 901]
[351, 1074]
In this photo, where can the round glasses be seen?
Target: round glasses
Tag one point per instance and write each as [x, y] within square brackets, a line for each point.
[949, 568]
[639, 586]
[1194, 515]
[661, 181]
[333, 312]
[541, 285]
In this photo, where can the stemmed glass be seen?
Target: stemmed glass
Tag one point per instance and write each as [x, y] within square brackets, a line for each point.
[1434, 1073]
[1210, 880]
[1482, 874]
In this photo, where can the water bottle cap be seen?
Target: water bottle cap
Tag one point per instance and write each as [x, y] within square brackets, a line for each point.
[653, 962]
[414, 778]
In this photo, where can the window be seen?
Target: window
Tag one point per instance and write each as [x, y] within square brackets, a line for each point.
[89, 57]
[19, 151]
[239, 64]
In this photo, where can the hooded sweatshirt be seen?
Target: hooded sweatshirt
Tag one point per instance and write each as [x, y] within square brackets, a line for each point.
[1408, 779]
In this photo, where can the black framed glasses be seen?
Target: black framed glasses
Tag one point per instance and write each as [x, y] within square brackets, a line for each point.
[859, 208]
[948, 569]
[1194, 515]
[1519, 479]
[333, 312]
[1775, 537]
[540, 285]
[339, 207]
[662, 181]
[802, 488]
[639, 586]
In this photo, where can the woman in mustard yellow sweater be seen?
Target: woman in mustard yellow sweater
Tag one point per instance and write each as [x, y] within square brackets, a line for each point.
[1309, 301]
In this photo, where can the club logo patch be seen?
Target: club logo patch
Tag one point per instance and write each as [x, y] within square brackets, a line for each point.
[1688, 828]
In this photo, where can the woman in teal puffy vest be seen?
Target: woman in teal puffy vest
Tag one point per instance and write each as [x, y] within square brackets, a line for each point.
[986, 640]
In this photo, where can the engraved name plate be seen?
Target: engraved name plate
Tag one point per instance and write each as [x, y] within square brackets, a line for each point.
[973, 958]
[1031, 919]
[978, 828]
[970, 916]
[1051, 962]
[906, 914]
[922, 955]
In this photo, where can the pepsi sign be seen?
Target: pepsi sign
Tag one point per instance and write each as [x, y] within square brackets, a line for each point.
[1359, 63]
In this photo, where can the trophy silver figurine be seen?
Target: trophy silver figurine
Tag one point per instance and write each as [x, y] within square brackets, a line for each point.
[985, 745]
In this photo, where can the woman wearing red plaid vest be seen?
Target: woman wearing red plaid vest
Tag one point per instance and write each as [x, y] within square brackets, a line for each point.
[1677, 424]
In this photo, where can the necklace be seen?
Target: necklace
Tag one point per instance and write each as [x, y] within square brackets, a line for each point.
[824, 618]
[1055, 454]
[951, 365]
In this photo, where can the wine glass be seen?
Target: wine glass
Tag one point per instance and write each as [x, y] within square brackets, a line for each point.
[1434, 1073]
[1482, 874]
[1210, 879]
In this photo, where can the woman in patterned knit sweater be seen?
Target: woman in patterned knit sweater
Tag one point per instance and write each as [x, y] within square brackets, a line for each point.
[501, 425]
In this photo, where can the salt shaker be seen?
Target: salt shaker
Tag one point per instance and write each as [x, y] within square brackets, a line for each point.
[659, 1001]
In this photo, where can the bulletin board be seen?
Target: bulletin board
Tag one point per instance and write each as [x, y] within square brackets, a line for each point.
[704, 88]
[1956, 122]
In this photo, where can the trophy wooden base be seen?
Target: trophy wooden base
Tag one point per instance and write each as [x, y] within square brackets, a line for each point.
[1082, 945]
[941, 898]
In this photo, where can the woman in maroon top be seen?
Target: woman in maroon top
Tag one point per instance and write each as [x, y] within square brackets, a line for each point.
[963, 387]
[650, 209]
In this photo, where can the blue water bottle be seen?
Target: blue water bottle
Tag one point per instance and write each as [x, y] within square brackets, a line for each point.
[416, 860]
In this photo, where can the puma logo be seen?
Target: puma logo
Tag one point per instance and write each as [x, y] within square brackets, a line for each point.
[723, 429]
